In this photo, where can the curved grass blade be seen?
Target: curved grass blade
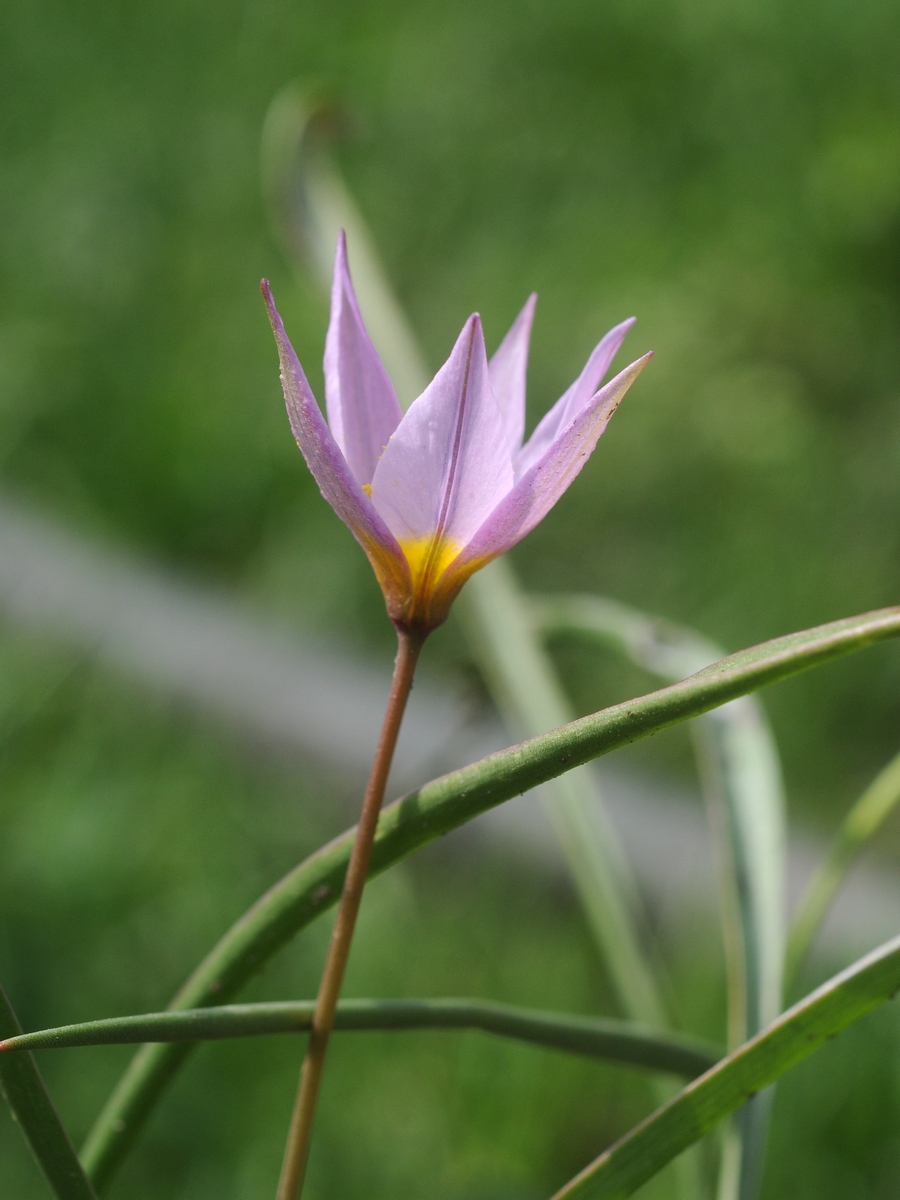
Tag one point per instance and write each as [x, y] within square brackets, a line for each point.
[757, 1064]
[34, 1112]
[309, 204]
[865, 818]
[434, 810]
[616, 1041]
[741, 777]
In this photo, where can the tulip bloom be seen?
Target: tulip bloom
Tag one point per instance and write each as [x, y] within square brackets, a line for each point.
[436, 493]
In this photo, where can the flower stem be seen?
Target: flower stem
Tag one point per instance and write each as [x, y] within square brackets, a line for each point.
[293, 1168]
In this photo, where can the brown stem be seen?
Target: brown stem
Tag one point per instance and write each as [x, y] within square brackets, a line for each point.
[297, 1150]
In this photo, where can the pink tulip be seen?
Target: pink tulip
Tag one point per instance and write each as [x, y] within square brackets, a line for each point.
[436, 493]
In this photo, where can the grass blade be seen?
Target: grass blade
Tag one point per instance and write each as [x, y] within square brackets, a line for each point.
[702, 1104]
[434, 810]
[864, 820]
[34, 1112]
[616, 1041]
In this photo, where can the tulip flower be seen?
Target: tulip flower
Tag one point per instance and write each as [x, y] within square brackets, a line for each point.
[431, 496]
[434, 494]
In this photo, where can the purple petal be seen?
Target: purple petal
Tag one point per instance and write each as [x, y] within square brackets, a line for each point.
[568, 405]
[329, 467]
[544, 482]
[507, 374]
[448, 464]
[362, 405]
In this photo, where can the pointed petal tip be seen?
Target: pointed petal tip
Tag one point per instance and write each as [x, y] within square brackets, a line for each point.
[527, 312]
[269, 299]
[623, 327]
[472, 327]
[633, 369]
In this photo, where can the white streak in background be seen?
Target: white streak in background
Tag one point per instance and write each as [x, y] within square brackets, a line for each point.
[205, 647]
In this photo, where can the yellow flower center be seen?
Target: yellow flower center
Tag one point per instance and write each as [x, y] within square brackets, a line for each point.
[429, 559]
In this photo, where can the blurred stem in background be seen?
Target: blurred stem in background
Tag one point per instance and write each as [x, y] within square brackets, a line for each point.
[863, 821]
[309, 205]
[741, 779]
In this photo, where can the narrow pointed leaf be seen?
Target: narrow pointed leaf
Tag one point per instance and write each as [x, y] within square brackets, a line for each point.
[702, 1104]
[863, 821]
[617, 1041]
[434, 810]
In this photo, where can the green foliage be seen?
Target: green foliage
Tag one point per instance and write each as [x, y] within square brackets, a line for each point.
[619, 1171]
[618, 1041]
[434, 810]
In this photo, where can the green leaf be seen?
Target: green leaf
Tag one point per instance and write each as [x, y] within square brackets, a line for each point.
[33, 1110]
[864, 820]
[618, 1041]
[702, 1104]
[434, 810]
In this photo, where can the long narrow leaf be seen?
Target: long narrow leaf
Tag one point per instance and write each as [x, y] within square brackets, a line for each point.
[38, 1119]
[618, 1041]
[863, 821]
[741, 779]
[434, 810]
[702, 1104]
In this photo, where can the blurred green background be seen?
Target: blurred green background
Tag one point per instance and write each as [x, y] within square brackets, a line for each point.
[730, 174]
